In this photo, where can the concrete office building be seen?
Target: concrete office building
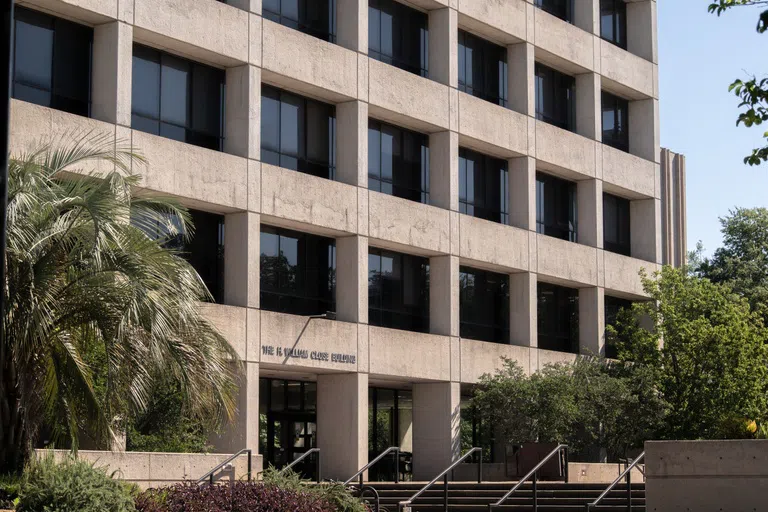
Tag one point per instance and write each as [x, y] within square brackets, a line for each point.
[456, 180]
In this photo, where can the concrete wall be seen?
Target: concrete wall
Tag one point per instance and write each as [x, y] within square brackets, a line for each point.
[674, 218]
[578, 472]
[706, 475]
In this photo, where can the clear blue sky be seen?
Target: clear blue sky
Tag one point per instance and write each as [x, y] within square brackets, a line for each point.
[699, 56]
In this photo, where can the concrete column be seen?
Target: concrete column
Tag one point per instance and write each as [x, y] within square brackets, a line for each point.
[342, 424]
[444, 170]
[444, 46]
[592, 321]
[522, 193]
[523, 330]
[645, 229]
[253, 6]
[243, 112]
[642, 30]
[589, 106]
[112, 73]
[352, 279]
[352, 24]
[242, 240]
[521, 82]
[436, 434]
[352, 143]
[243, 432]
[586, 15]
[644, 129]
[589, 195]
[444, 295]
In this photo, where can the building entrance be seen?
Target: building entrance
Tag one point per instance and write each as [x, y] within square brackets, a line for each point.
[288, 423]
[390, 423]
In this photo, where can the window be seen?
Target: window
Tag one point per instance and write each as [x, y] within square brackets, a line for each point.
[558, 318]
[390, 423]
[204, 250]
[563, 9]
[398, 290]
[314, 17]
[615, 121]
[613, 22]
[482, 68]
[398, 35]
[555, 98]
[483, 305]
[483, 186]
[398, 162]
[177, 98]
[52, 62]
[616, 225]
[613, 306]
[298, 133]
[298, 272]
[556, 211]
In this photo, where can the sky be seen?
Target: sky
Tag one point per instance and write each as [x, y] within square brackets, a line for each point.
[699, 56]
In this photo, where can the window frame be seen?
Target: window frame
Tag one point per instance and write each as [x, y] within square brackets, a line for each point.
[622, 208]
[419, 316]
[302, 25]
[618, 136]
[414, 20]
[550, 83]
[399, 164]
[550, 334]
[557, 230]
[304, 164]
[486, 50]
[617, 11]
[494, 299]
[488, 165]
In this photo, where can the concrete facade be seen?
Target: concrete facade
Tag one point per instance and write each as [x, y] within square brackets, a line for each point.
[439, 365]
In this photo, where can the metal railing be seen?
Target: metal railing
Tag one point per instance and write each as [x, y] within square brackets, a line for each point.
[444, 475]
[376, 498]
[562, 450]
[383, 454]
[627, 473]
[304, 456]
[209, 475]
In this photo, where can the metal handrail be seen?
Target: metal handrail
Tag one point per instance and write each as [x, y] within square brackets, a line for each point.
[304, 456]
[209, 475]
[396, 449]
[377, 499]
[533, 473]
[626, 473]
[444, 475]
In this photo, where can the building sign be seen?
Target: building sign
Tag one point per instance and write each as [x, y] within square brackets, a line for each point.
[314, 355]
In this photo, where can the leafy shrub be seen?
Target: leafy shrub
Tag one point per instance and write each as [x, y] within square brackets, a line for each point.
[333, 492]
[9, 491]
[69, 485]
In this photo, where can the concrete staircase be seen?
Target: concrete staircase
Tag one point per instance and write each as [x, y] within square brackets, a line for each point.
[474, 497]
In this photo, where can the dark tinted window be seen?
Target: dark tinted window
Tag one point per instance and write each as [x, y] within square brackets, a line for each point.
[398, 290]
[563, 9]
[556, 211]
[314, 17]
[298, 272]
[613, 22]
[204, 249]
[483, 305]
[616, 224]
[615, 121]
[398, 162]
[558, 318]
[177, 98]
[398, 35]
[613, 305]
[483, 186]
[298, 133]
[52, 62]
[482, 68]
[555, 98]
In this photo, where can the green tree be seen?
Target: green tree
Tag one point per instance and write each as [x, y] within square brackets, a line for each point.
[712, 364]
[753, 92]
[79, 276]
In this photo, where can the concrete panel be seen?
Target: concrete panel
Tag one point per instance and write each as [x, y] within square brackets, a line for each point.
[481, 357]
[493, 245]
[405, 222]
[352, 24]
[241, 256]
[230, 321]
[315, 63]
[193, 172]
[444, 295]
[622, 273]
[592, 321]
[92, 12]
[561, 149]
[627, 70]
[491, 128]
[565, 46]
[502, 21]
[546, 357]
[566, 261]
[443, 46]
[352, 279]
[409, 354]
[300, 341]
[404, 98]
[444, 170]
[204, 30]
[523, 328]
[112, 73]
[436, 428]
[628, 172]
[308, 199]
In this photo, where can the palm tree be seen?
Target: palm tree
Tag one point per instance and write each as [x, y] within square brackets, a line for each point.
[83, 274]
